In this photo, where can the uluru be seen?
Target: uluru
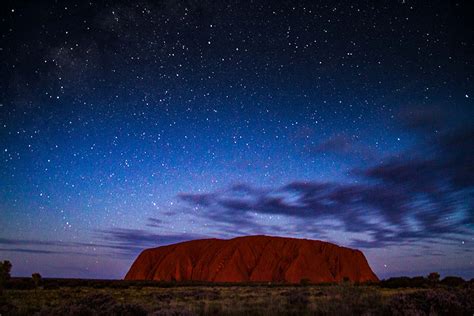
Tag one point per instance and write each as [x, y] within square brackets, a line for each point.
[252, 259]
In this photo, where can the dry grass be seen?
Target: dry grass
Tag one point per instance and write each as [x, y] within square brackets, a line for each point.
[343, 299]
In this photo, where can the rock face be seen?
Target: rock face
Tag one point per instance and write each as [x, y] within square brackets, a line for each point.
[252, 259]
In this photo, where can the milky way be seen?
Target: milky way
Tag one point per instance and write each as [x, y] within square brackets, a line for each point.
[125, 126]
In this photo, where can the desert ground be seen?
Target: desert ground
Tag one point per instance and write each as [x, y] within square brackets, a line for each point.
[401, 296]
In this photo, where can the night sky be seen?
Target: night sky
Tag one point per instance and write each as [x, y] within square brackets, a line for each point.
[127, 125]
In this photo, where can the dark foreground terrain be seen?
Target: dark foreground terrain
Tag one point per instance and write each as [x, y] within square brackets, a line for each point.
[402, 296]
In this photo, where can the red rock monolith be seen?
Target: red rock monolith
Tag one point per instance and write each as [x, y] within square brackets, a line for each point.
[252, 259]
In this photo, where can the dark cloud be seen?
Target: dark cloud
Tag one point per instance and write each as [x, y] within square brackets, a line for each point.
[404, 200]
[48, 252]
[56, 247]
[61, 248]
[133, 241]
[24, 250]
[52, 243]
[154, 222]
[448, 158]
[9, 241]
[123, 242]
[118, 241]
[197, 199]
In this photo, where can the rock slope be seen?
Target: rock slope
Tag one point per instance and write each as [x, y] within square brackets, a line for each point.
[252, 259]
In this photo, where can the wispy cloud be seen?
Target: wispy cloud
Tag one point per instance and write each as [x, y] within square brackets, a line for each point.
[404, 200]
[132, 241]
[25, 250]
[417, 197]
[119, 241]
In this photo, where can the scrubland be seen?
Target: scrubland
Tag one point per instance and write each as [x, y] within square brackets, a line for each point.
[402, 296]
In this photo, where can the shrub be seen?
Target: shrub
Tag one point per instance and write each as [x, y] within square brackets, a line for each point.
[433, 277]
[5, 268]
[173, 312]
[401, 282]
[161, 297]
[20, 284]
[347, 299]
[453, 281]
[128, 310]
[305, 282]
[51, 286]
[7, 308]
[297, 299]
[36, 277]
[202, 294]
[432, 302]
[95, 304]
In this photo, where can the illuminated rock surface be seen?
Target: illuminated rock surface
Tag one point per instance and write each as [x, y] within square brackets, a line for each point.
[252, 259]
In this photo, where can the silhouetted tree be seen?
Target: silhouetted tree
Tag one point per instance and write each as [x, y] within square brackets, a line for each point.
[5, 268]
[433, 277]
[36, 279]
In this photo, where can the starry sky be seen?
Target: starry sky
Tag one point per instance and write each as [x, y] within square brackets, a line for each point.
[126, 125]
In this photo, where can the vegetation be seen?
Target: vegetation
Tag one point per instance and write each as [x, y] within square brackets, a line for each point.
[421, 282]
[102, 297]
[36, 277]
[452, 281]
[5, 268]
[395, 296]
[433, 277]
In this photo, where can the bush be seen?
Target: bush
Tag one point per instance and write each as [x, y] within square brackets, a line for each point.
[173, 312]
[20, 284]
[347, 299]
[95, 304]
[432, 302]
[202, 294]
[51, 286]
[297, 299]
[305, 282]
[433, 277]
[453, 281]
[37, 280]
[7, 308]
[402, 282]
[418, 281]
[5, 268]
